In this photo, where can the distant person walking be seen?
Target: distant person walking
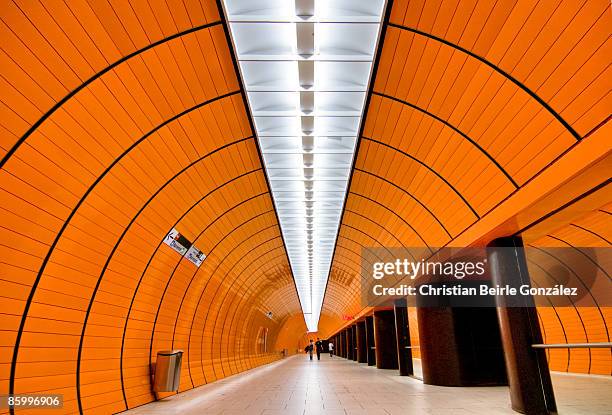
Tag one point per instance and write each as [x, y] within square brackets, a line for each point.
[330, 346]
[319, 345]
[309, 348]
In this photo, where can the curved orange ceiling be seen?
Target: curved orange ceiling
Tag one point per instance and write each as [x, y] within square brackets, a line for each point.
[121, 122]
[471, 102]
[575, 324]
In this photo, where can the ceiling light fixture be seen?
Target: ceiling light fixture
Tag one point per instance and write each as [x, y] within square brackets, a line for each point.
[306, 67]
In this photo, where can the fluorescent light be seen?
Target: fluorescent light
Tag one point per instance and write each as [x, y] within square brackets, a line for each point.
[306, 67]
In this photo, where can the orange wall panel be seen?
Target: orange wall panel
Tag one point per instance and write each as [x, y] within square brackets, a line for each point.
[137, 128]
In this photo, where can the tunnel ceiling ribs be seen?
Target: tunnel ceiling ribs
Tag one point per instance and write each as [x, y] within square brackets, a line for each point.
[306, 68]
[471, 102]
[119, 125]
[121, 121]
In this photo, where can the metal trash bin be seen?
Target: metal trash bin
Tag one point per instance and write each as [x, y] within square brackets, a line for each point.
[167, 371]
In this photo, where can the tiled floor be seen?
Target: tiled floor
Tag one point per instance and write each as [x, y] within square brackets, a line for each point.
[337, 386]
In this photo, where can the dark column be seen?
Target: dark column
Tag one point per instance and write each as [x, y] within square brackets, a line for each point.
[370, 344]
[402, 336]
[531, 389]
[362, 350]
[347, 334]
[460, 346]
[384, 334]
[439, 355]
[354, 334]
[351, 343]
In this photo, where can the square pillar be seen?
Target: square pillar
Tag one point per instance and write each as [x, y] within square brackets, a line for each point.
[384, 335]
[362, 349]
[402, 336]
[349, 343]
[370, 343]
[354, 337]
[531, 389]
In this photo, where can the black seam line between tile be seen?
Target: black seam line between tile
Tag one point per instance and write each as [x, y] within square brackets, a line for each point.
[428, 167]
[146, 268]
[559, 260]
[511, 194]
[591, 232]
[386, 230]
[205, 317]
[366, 107]
[61, 102]
[560, 208]
[556, 314]
[598, 126]
[407, 193]
[75, 209]
[349, 265]
[349, 250]
[119, 240]
[363, 247]
[392, 212]
[366, 247]
[212, 274]
[552, 278]
[603, 184]
[180, 307]
[455, 129]
[578, 249]
[497, 69]
[224, 21]
[241, 287]
[194, 274]
[265, 267]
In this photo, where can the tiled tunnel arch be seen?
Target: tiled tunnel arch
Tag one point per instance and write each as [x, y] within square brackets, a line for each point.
[518, 98]
[133, 130]
[121, 121]
[577, 324]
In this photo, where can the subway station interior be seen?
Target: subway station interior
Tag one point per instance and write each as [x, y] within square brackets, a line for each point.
[193, 190]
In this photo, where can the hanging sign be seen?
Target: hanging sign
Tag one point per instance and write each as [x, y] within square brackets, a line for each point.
[177, 241]
[195, 255]
[184, 247]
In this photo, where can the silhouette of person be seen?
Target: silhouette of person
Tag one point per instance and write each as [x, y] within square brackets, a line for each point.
[319, 345]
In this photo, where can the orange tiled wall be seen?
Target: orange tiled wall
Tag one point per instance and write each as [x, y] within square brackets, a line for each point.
[473, 106]
[120, 122]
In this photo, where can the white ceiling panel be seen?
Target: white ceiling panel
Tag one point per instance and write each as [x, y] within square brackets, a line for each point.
[274, 103]
[306, 67]
[346, 41]
[264, 41]
[270, 75]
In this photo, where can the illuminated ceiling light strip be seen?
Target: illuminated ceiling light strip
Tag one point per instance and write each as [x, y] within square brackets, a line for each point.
[306, 67]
